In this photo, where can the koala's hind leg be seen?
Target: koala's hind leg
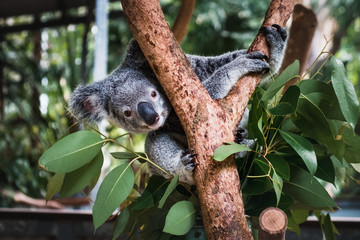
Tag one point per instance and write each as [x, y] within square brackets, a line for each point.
[169, 151]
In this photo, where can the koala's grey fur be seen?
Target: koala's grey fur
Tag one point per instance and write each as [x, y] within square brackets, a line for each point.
[132, 98]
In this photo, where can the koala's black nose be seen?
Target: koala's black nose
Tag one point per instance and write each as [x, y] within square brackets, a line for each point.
[148, 113]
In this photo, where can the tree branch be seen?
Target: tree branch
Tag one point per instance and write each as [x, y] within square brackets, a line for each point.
[182, 20]
[278, 13]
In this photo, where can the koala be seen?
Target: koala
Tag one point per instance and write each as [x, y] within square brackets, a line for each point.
[132, 98]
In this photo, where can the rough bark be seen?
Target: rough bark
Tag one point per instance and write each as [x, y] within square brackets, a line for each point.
[302, 30]
[207, 126]
[183, 18]
[273, 222]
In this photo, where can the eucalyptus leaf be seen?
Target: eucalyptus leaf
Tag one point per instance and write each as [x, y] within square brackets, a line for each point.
[328, 228]
[277, 184]
[345, 92]
[288, 102]
[180, 218]
[292, 225]
[82, 177]
[325, 170]
[356, 166]
[312, 122]
[224, 151]
[322, 95]
[303, 187]
[281, 166]
[255, 120]
[291, 72]
[120, 223]
[300, 215]
[54, 185]
[71, 152]
[257, 186]
[169, 189]
[155, 189]
[303, 147]
[114, 189]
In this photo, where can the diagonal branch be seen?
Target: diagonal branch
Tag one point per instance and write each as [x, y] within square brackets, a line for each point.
[183, 18]
[278, 13]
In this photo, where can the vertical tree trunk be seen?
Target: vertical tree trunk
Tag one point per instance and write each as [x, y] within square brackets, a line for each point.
[183, 18]
[207, 126]
[301, 34]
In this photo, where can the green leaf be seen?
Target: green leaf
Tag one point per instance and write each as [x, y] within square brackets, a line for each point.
[169, 190]
[278, 184]
[312, 122]
[82, 177]
[292, 225]
[323, 96]
[71, 152]
[154, 191]
[281, 166]
[288, 102]
[345, 92]
[325, 170]
[352, 144]
[224, 151]
[303, 147]
[180, 218]
[289, 73]
[257, 186]
[356, 166]
[303, 187]
[114, 189]
[255, 119]
[300, 215]
[120, 223]
[328, 228]
[54, 185]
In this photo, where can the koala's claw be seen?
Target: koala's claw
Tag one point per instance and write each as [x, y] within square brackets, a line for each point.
[257, 55]
[281, 30]
[273, 32]
[187, 158]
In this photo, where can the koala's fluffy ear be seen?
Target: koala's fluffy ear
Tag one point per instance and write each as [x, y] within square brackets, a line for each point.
[87, 103]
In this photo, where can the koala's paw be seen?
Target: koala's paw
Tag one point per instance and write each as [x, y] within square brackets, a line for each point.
[274, 34]
[256, 62]
[187, 159]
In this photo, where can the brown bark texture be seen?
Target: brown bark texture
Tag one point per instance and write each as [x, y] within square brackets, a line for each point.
[273, 222]
[207, 123]
[302, 31]
[182, 20]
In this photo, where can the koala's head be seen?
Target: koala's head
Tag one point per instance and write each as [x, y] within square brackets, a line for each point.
[127, 98]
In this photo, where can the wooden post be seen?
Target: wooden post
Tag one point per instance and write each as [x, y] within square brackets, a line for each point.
[273, 223]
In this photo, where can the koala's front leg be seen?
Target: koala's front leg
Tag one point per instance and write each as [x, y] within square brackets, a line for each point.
[169, 151]
[223, 79]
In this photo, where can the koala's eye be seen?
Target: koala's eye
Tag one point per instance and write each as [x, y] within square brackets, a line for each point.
[127, 113]
[153, 94]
